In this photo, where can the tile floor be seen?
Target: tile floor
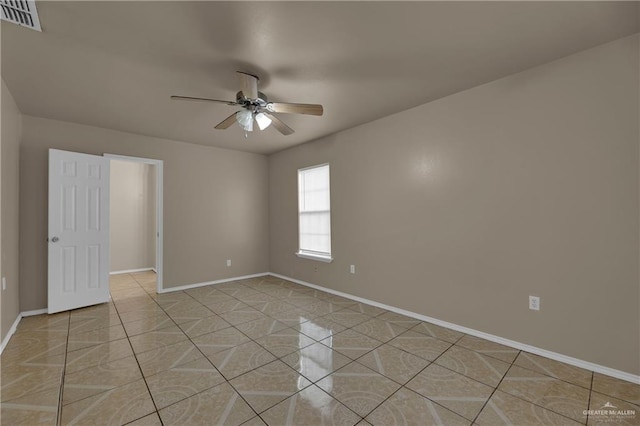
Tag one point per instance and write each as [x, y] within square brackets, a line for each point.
[267, 351]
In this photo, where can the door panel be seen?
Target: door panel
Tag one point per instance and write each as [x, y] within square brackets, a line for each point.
[78, 230]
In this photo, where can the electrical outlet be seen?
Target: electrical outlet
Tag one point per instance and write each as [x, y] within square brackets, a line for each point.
[228, 262]
[534, 303]
[315, 269]
[352, 269]
[4, 283]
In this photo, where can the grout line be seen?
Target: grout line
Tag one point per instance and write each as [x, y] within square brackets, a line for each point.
[136, 357]
[64, 373]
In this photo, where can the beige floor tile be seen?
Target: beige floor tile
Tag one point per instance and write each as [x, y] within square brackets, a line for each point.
[240, 359]
[351, 343]
[547, 392]
[438, 332]
[273, 307]
[151, 311]
[220, 405]
[135, 304]
[42, 402]
[18, 381]
[149, 420]
[473, 364]
[322, 307]
[504, 409]
[266, 386]
[241, 316]
[167, 357]
[257, 299]
[454, 391]
[347, 317]
[399, 319]
[204, 325]
[178, 383]
[294, 317]
[80, 324]
[168, 299]
[420, 345]
[20, 415]
[485, 347]
[226, 304]
[261, 327]
[319, 328]
[311, 406]
[357, 353]
[316, 361]
[99, 354]
[256, 421]
[45, 322]
[617, 388]
[185, 303]
[157, 339]
[118, 406]
[155, 322]
[559, 370]
[221, 340]
[608, 410]
[23, 348]
[100, 378]
[95, 337]
[284, 342]
[393, 363]
[363, 308]
[408, 408]
[358, 387]
[379, 329]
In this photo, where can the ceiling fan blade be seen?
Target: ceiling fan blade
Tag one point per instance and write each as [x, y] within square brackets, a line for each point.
[279, 124]
[224, 124]
[248, 85]
[287, 108]
[189, 98]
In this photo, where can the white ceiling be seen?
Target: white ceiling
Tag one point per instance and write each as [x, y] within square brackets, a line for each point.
[115, 64]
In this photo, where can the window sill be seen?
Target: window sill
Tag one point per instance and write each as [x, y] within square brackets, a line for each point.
[325, 259]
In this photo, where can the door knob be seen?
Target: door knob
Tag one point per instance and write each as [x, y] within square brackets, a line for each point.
[55, 239]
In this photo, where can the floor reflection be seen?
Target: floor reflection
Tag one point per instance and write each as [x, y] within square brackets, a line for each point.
[316, 360]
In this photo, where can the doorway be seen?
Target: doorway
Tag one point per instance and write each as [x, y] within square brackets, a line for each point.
[136, 216]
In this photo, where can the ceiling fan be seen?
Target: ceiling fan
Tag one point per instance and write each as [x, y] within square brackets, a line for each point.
[256, 107]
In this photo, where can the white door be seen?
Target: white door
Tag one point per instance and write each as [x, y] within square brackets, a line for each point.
[78, 230]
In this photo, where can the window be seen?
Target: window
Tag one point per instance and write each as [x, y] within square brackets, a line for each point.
[314, 208]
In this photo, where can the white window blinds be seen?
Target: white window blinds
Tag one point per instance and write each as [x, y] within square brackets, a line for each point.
[314, 208]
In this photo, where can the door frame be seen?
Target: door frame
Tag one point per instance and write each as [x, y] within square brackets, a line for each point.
[159, 203]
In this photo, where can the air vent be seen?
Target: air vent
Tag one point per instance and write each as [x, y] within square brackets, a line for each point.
[21, 12]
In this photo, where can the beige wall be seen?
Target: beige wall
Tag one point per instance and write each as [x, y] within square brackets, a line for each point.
[132, 216]
[10, 217]
[215, 204]
[461, 208]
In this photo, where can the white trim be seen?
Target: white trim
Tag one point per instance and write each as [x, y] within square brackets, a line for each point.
[319, 258]
[225, 280]
[633, 378]
[36, 312]
[130, 271]
[159, 269]
[10, 333]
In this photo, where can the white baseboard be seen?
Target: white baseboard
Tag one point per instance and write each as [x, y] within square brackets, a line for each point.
[36, 312]
[130, 271]
[497, 339]
[10, 333]
[225, 280]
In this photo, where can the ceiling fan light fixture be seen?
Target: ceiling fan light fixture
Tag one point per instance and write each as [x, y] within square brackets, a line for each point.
[262, 120]
[245, 120]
